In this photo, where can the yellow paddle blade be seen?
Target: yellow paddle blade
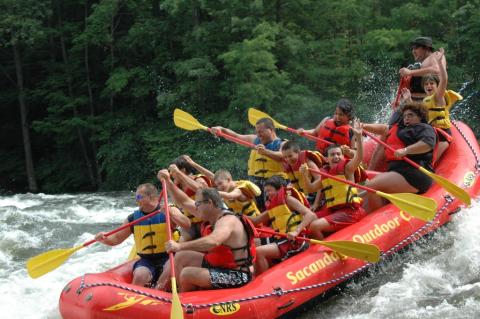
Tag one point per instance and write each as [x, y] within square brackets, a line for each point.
[177, 311]
[44, 263]
[254, 115]
[421, 207]
[186, 121]
[133, 253]
[367, 252]
[453, 189]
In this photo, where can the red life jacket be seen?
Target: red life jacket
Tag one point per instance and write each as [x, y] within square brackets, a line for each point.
[394, 142]
[222, 256]
[331, 132]
[190, 193]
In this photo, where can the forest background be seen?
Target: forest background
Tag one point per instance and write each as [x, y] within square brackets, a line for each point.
[88, 88]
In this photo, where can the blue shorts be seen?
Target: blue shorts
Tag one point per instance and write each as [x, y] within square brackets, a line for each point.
[155, 265]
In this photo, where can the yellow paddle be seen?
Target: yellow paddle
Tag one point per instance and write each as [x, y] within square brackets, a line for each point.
[44, 263]
[368, 252]
[445, 183]
[187, 122]
[177, 311]
[421, 207]
[254, 115]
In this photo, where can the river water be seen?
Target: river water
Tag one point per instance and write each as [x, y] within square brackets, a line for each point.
[436, 278]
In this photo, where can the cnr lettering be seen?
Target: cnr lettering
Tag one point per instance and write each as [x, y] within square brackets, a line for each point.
[224, 309]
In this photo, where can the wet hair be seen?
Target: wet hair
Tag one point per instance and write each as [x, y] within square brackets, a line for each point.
[182, 163]
[418, 108]
[346, 106]
[212, 195]
[276, 182]
[291, 145]
[267, 122]
[222, 174]
[430, 77]
[148, 190]
[331, 146]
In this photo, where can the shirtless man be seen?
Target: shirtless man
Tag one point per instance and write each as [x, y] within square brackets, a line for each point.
[223, 256]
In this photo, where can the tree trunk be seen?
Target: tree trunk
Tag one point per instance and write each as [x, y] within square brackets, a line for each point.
[81, 139]
[90, 102]
[32, 182]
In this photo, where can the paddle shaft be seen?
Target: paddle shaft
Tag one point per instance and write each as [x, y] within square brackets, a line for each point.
[309, 136]
[116, 230]
[232, 138]
[167, 214]
[404, 82]
[376, 139]
[271, 232]
[368, 189]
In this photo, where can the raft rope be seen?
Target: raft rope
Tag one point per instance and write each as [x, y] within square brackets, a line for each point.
[277, 292]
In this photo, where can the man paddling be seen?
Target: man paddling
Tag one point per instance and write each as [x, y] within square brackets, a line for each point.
[266, 159]
[150, 235]
[223, 256]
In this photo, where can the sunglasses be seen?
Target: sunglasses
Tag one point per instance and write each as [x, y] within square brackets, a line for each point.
[138, 197]
[200, 202]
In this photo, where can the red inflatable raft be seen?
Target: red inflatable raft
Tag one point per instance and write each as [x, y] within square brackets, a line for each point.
[293, 282]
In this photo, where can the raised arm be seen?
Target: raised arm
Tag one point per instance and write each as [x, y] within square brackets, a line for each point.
[193, 184]
[178, 218]
[443, 77]
[245, 137]
[353, 164]
[235, 194]
[179, 197]
[209, 174]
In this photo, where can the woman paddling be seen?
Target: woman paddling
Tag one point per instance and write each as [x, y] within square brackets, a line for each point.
[411, 137]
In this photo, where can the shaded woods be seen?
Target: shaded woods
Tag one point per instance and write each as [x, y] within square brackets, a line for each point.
[88, 88]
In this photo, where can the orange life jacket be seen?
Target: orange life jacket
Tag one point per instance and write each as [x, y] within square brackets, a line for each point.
[336, 134]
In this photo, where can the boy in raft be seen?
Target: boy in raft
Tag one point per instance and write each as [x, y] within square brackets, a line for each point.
[223, 256]
[439, 101]
[150, 235]
[239, 196]
[266, 159]
[293, 159]
[287, 214]
[336, 129]
[343, 205]
[185, 178]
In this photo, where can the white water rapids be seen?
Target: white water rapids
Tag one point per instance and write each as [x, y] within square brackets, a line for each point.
[438, 278]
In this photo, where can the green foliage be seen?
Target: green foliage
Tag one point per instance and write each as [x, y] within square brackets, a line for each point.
[102, 77]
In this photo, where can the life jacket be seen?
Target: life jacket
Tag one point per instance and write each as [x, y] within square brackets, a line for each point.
[222, 256]
[394, 142]
[248, 207]
[338, 194]
[282, 219]
[190, 193]
[293, 172]
[415, 84]
[331, 132]
[265, 166]
[150, 234]
[439, 116]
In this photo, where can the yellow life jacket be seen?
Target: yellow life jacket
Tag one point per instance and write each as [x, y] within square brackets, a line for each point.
[265, 166]
[282, 219]
[439, 116]
[338, 194]
[150, 234]
[248, 207]
[293, 172]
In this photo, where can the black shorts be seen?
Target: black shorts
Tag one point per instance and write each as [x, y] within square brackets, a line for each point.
[227, 278]
[413, 175]
[441, 137]
[155, 265]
